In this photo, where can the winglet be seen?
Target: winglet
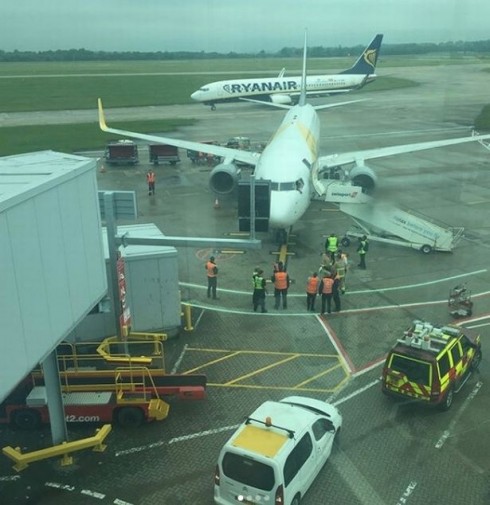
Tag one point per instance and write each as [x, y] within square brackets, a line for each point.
[102, 123]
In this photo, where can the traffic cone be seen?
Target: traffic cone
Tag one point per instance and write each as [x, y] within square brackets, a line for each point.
[216, 204]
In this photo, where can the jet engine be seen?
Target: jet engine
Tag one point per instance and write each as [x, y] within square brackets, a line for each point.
[223, 178]
[362, 175]
[281, 99]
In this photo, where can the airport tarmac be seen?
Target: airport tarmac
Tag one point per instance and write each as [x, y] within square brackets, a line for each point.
[389, 453]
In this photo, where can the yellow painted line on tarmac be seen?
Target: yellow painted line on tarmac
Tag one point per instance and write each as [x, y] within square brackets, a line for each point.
[276, 388]
[208, 363]
[310, 355]
[263, 369]
[321, 374]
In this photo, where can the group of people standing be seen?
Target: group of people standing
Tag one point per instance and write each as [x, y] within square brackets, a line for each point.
[328, 282]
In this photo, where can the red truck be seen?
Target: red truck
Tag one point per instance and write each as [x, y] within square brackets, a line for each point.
[163, 153]
[124, 152]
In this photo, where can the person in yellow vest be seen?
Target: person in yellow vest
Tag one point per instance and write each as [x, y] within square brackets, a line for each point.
[258, 297]
[150, 179]
[326, 290]
[331, 245]
[212, 273]
[280, 278]
[311, 291]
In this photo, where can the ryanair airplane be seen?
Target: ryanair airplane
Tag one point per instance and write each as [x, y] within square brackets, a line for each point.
[286, 90]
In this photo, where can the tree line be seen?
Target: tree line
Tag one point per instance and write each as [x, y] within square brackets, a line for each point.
[462, 47]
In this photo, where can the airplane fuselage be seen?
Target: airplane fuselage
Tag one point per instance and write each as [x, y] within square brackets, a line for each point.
[236, 89]
[287, 162]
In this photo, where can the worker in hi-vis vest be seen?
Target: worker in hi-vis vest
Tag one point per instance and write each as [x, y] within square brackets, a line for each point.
[331, 245]
[280, 278]
[311, 290]
[212, 273]
[150, 179]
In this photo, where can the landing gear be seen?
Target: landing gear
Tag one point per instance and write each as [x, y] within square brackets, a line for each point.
[281, 236]
[213, 107]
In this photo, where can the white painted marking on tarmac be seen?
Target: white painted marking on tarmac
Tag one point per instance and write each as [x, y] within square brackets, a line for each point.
[117, 501]
[179, 360]
[7, 478]
[357, 392]
[406, 494]
[473, 326]
[175, 440]
[447, 433]
[369, 367]
[356, 481]
[93, 494]
[347, 363]
[199, 319]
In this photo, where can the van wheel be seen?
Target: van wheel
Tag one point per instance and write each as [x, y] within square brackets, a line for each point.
[26, 419]
[476, 360]
[130, 417]
[426, 249]
[296, 500]
[345, 241]
[448, 400]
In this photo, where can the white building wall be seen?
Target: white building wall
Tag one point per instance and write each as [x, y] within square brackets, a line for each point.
[52, 267]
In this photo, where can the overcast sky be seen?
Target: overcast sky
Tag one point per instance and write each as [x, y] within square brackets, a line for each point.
[234, 25]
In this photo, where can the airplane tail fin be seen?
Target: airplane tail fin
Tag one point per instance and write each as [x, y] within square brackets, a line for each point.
[302, 96]
[366, 63]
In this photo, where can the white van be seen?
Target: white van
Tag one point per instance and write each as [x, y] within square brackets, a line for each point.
[275, 455]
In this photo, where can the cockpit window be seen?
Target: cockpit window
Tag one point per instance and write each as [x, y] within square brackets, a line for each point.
[283, 186]
[203, 89]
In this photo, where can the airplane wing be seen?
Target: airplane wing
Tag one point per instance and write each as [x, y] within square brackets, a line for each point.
[228, 153]
[337, 160]
[316, 107]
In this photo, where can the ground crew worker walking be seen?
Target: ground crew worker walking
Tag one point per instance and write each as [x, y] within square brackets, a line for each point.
[280, 278]
[212, 273]
[362, 249]
[150, 179]
[331, 245]
[325, 289]
[311, 291]
[258, 297]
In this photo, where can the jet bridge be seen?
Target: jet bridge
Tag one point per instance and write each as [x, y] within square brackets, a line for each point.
[383, 222]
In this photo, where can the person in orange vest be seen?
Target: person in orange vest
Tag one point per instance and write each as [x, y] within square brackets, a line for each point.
[150, 179]
[326, 290]
[311, 291]
[281, 281]
[212, 273]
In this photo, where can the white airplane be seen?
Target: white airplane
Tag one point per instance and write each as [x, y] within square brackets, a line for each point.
[286, 90]
[290, 161]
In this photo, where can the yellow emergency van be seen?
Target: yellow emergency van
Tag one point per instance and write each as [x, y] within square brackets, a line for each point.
[431, 363]
[275, 455]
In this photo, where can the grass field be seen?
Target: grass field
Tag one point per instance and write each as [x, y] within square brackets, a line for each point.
[27, 87]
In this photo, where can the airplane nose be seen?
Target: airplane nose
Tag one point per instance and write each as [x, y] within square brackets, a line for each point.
[195, 95]
[282, 210]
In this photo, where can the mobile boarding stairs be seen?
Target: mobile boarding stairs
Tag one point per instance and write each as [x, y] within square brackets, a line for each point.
[383, 222]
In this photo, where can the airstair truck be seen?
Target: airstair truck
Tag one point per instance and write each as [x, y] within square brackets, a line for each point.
[385, 223]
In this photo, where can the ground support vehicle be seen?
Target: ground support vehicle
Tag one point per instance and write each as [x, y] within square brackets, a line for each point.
[391, 225]
[99, 384]
[129, 404]
[202, 158]
[430, 363]
[275, 455]
[163, 153]
[121, 152]
[459, 302]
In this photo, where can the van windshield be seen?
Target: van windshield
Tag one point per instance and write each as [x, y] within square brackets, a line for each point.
[415, 370]
[248, 471]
